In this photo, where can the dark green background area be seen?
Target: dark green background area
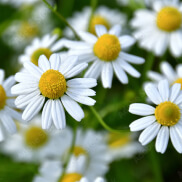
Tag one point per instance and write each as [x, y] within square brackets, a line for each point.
[141, 168]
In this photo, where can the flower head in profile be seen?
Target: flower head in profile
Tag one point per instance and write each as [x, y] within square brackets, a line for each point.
[160, 28]
[8, 111]
[107, 52]
[48, 86]
[164, 120]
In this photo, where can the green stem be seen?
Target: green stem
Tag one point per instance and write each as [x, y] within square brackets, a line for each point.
[101, 121]
[61, 18]
[69, 154]
[155, 164]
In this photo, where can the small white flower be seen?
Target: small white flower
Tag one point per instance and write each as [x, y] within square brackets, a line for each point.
[48, 83]
[33, 144]
[160, 28]
[162, 121]
[102, 16]
[173, 76]
[8, 111]
[107, 52]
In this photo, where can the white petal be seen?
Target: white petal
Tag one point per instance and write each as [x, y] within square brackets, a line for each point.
[115, 30]
[88, 37]
[107, 75]
[8, 123]
[126, 41]
[153, 93]
[55, 61]
[46, 116]
[25, 77]
[155, 76]
[58, 114]
[13, 113]
[141, 109]
[1, 76]
[142, 123]
[8, 83]
[174, 92]
[44, 63]
[2, 134]
[82, 83]
[82, 91]
[81, 99]
[163, 87]
[72, 108]
[179, 70]
[162, 139]
[121, 75]
[33, 107]
[149, 133]
[100, 30]
[11, 103]
[178, 100]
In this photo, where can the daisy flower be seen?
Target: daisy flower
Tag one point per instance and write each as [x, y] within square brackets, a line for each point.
[46, 46]
[173, 76]
[163, 120]
[8, 111]
[122, 145]
[160, 28]
[107, 52]
[33, 144]
[102, 16]
[51, 170]
[48, 84]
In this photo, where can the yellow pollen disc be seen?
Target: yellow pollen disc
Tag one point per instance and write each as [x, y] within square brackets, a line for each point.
[107, 47]
[169, 19]
[79, 151]
[167, 113]
[36, 54]
[117, 140]
[179, 80]
[98, 20]
[35, 137]
[2, 97]
[71, 177]
[28, 30]
[52, 84]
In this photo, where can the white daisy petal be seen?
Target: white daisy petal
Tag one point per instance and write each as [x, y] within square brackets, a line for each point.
[116, 30]
[55, 61]
[142, 123]
[33, 107]
[8, 83]
[163, 87]
[88, 37]
[100, 30]
[179, 70]
[72, 108]
[46, 116]
[82, 83]
[149, 133]
[44, 63]
[2, 135]
[8, 123]
[81, 99]
[153, 93]
[13, 113]
[126, 41]
[174, 92]
[58, 114]
[141, 109]
[11, 103]
[107, 75]
[25, 77]
[155, 76]
[82, 91]
[162, 139]
[1, 76]
[178, 100]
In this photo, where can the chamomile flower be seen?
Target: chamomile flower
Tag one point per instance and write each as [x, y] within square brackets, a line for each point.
[122, 146]
[173, 76]
[52, 171]
[160, 28]
[48, 84]
[33, 144]
[164, 120]
[102, 16]
[46, 46]
[107, 52]
[8, 111]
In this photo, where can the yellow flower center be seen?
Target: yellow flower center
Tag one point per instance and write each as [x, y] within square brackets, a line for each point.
[98, 20]
[28, 30]
[107, 47]
[2, 97]
[167, 113]
[79, 151]
[36, 54]
[52, 84]
[169, 19]
[179, 80]
[71, 177]
[35, 137]
[117, 140]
